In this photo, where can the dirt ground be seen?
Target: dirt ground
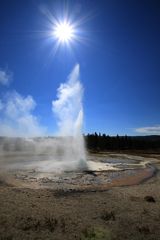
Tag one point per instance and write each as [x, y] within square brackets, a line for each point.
[131, 212]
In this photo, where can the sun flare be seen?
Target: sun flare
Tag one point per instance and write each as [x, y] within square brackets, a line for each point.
[64, 32]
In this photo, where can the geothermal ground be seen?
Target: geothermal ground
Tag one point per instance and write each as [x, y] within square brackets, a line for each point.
[116, 197]
[100, 172]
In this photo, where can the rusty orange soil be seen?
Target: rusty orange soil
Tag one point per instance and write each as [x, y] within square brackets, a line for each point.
[129, 180]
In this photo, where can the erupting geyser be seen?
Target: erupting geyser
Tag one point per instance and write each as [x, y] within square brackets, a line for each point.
[69, 111]
[54, 154]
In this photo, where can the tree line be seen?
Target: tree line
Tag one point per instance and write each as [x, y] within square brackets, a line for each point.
[102, 142]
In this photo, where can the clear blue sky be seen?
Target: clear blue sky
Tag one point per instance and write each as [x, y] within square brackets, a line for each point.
[119, 61]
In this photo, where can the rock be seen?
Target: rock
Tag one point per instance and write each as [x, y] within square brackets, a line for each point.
[149, 199]
[144, 229]
[108, 216]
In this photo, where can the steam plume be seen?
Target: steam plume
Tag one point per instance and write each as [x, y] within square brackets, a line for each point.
[68, 107]
[16, 117]
[69, 111]
[53, 154]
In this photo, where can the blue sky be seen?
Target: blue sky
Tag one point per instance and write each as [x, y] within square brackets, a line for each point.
[119, 61]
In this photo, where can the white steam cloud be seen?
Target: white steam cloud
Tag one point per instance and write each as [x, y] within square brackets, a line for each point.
[54, 154]
[68, 107]
[16, 117]
[149, 130]
[69, 111]
[16, 111]
[5, 77]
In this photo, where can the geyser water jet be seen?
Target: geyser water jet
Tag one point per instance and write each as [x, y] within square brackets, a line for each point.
[68, 109]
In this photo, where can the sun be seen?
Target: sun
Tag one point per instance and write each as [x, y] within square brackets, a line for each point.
[64, 32]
